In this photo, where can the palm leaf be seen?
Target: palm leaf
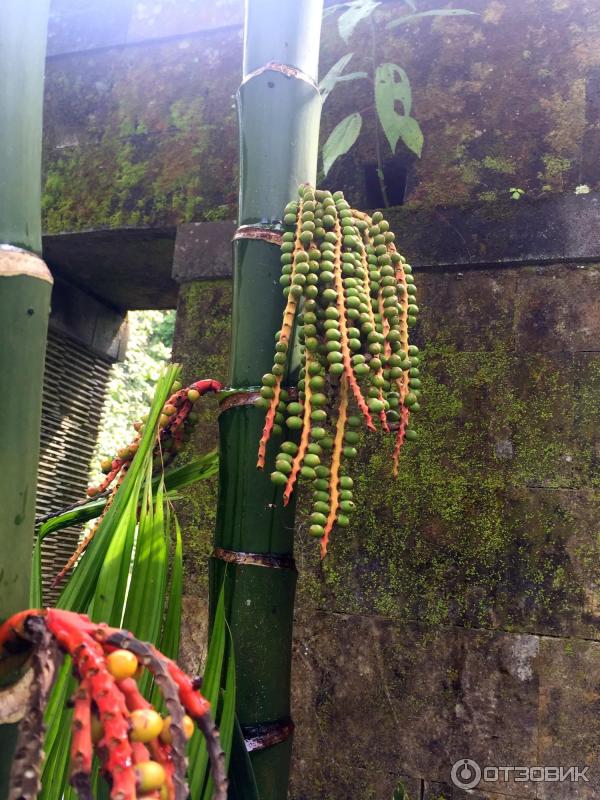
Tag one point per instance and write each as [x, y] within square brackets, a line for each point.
[177, 478]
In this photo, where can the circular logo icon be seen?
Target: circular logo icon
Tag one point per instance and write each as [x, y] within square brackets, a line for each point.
[465, 773]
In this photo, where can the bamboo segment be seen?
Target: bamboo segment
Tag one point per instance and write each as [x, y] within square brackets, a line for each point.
[279, 111]
[25, 287]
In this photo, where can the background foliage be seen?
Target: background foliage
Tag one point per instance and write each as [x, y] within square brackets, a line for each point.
[132, 382]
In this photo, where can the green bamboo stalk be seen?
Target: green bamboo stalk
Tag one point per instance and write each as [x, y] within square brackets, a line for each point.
[279, 114]
[25, 287]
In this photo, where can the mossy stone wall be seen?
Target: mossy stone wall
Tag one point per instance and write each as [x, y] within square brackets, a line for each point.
[458, 616]
[461, 605]
[141, 128]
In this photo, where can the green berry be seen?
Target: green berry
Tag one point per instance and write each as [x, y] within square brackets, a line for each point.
[279, 478]
[283, 466]
[316, 530]
[294, 423]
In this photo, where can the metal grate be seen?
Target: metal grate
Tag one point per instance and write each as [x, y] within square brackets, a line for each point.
[74, 386]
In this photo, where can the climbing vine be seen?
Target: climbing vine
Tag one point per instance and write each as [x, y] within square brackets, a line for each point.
[352, 297]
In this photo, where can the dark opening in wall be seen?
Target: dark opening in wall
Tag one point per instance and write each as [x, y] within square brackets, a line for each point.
[395, 175]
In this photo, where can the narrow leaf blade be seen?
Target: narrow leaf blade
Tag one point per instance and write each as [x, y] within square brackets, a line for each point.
[434, 12]
[341, 139]
[335, 76]
[355, 13]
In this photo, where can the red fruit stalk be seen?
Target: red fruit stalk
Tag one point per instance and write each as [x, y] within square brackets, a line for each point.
[172, 431]
[130, 766]
[355, 300]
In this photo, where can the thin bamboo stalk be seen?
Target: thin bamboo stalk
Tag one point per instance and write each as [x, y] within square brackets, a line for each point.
[25, 287]
[279, 112]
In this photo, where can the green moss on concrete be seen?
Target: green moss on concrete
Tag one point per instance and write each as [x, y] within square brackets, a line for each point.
[466, 535]
[202, 344]
[141, 141]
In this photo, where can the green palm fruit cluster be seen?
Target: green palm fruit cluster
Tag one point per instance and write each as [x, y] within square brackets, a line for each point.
[353, 299]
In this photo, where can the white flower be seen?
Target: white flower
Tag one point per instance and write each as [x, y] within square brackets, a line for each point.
[583, 188]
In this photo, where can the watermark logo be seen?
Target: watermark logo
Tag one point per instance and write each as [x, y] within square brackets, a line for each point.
[467, 774]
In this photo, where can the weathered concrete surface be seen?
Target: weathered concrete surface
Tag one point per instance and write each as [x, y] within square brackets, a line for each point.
[410, 702]
[203, 250]
[126, 269]
[436, 627]
[458, 616]
[78, 25]
[140, 124]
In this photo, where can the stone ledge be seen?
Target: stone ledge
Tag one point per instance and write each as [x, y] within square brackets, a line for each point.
[559, 228]
[203, 251]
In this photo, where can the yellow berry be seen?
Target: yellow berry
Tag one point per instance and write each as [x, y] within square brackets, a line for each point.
[188, 729]
[122, 664]
[150, 776]
[169, 409]
[193, 395]
[146, 724]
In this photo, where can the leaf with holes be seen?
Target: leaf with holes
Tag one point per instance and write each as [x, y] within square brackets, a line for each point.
[355, 13]
[341, 139]
[434, 12]
[392, 86]
[335, 76]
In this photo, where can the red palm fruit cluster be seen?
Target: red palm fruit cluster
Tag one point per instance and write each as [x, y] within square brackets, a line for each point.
[143, 755]
[351, 299]
[174, 424]
[173, 429]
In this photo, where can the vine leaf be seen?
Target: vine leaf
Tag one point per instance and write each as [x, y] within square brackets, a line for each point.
[393, 86]
[341, 139]
[334, 76]
[355, 12]
[434, 12]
